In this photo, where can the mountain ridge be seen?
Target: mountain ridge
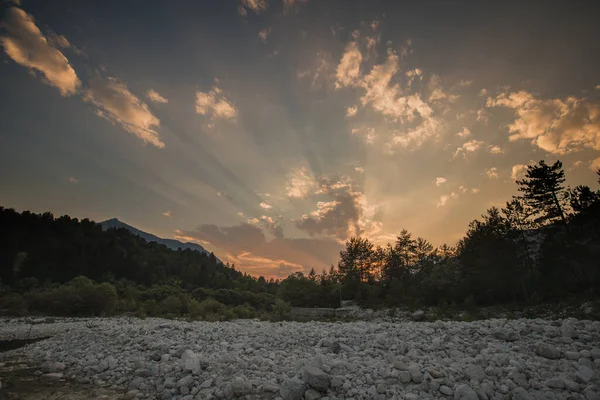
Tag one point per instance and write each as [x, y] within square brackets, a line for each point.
[172, 244]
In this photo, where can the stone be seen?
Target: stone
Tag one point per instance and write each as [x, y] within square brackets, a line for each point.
[55, 367]
[507, 335]
[270, 387]
[206, 383]
[336, 382]
[241, 387]
[335, 347]
[465, 392]
[568, 328]
[445, 390]
[190, 361]
[546, 351]
[475, 372]
[312, 394]
[584, 375]
[418, 315]
[292, 389]
[316, 378]
[555, 383]
[405, 377]
[521, 394]
[415, 373]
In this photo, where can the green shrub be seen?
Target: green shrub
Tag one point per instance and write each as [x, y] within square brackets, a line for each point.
[211, 306]
[281, 309]
[14, 304]
[170, 306]
[194, 309]
[245, 311]
[150, 307]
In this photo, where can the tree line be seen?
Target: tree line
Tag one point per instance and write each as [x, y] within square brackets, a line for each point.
[543, 245]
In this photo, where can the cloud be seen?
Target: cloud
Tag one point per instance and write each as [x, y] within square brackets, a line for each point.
[492, 173]
[155, 97]
[216, 104]
[263, 34]
[301, 184]
[518, 171]
[118, 105]
[265, 206]
[367, 134]
[168, 214]
[347, 214]
[351, 111]
[464, 133]
[247, 246]
[348, 71]
[58, 40]
[595, 164]
[475, 190]
[469, 147]
[444, 199]
[483, 92]
[257, 6]
[321, 73]
[388, 99]
[439, 181]
[495, 149]
[437, 93]
[558, 126]
[413, 74]
[482, 116]
[73, 180]
[415, 137]
[360, 170]
[576, 164]
[290, 6]
[27, 46]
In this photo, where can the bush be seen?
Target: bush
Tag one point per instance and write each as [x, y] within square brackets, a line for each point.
[244, 311]
[194, 309]
[150, 308]
[281, 309]
[211, 306]
[13, 304]
[79, 297]
[171, 306]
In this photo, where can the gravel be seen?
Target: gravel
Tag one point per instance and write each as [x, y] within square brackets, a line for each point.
[250, 359]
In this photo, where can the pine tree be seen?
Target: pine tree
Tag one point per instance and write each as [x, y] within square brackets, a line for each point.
[543, 190]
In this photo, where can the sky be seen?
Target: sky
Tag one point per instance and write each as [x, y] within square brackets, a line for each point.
[271, 131]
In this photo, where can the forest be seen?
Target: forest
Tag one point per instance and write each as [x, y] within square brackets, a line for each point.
[542, 246]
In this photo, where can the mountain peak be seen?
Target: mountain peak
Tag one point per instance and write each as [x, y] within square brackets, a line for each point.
[172, 244]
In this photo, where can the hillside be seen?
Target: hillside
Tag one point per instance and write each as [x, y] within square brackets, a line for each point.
[172, 244]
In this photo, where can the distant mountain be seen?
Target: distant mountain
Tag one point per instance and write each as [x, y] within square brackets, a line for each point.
[148, 237]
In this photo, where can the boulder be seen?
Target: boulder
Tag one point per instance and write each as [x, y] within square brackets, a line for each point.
[546, 351]
[292, 389]
[418, 315]
[316, 378]
[241, 387]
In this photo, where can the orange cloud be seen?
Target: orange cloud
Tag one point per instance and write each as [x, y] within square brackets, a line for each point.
[27, 46]
[555, 125]
[118, 105]
[154, 96]
[247, 247]
[216, 104]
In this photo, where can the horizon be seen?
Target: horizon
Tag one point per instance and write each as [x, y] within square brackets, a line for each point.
[270, 132]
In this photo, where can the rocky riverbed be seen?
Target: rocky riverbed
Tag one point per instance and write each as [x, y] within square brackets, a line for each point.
[164, 359]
